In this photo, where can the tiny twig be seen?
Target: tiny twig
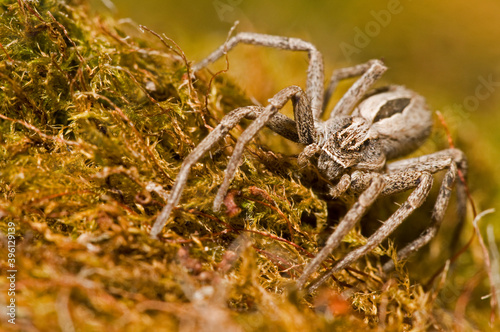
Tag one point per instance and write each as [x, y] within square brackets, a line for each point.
[82, 59]
[40, 133]
[460, 174]
[258, 191]
[464, 298]
[120, 112]
[129, 73]
[177, 50]
[223, 70]
[487, 264]
[7, 54]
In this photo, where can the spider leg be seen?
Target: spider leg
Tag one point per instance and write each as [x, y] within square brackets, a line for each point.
[436, 218]
[305, 130]
[301, 130]
[431, 163]
[315, 74]
[370, 72]
[342, 74]
[279, 123]
[340, 188]
[226, 124]
[416, 198]
[454, 160]
[359, 208]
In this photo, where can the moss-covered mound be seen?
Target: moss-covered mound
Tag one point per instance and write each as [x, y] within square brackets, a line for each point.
[96, 118]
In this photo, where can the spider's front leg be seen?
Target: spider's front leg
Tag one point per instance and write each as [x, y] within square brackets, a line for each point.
[421, 180]
[304, 132]
[401, 176]
[315, 74]
[226, 124]
[351, 218]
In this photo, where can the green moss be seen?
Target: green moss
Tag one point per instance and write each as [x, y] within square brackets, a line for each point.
[95, 122]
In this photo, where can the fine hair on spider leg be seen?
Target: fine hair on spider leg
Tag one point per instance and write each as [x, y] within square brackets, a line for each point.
[351, 150]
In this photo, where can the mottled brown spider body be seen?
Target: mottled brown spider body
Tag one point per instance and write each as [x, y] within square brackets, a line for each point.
[351, 149]
[387, 125]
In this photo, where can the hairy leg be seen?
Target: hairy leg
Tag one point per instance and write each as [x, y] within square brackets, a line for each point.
[342, 74]
[454, 160]
[415, 199]
[275, 104]
[226, 124]
[436, 218]
[370, 72]
[279, 123]
[315, 74]
[352, 217]
[303, 129]
[300, 130]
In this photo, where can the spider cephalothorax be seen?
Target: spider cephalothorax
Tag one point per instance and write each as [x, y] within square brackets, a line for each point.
[351, 149]
[386, 125]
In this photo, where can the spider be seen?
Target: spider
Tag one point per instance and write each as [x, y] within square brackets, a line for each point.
[350, 150]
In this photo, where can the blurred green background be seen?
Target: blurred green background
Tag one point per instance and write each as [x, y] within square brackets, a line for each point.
[448, 51]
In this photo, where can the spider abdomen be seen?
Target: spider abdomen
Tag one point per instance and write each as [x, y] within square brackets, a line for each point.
[399, 118]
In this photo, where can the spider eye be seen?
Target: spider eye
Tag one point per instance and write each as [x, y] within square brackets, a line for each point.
[392, 107]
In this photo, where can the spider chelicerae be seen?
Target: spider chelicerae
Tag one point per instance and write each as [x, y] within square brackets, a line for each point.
[350, 150]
